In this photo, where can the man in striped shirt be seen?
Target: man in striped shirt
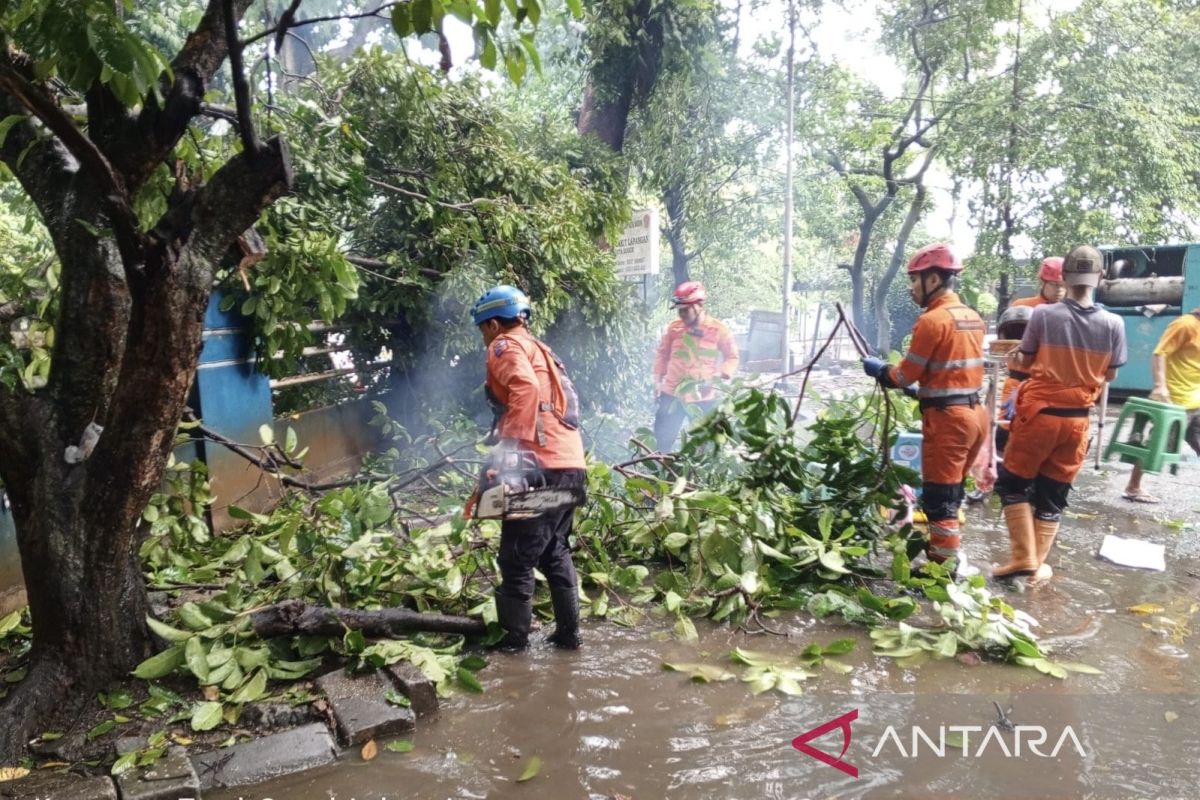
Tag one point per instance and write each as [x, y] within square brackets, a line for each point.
[1070, 350]
[946, 360]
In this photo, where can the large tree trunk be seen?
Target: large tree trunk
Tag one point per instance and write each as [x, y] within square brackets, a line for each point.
[680, 258]
[883, 334]
[127, 341]
[623, 75]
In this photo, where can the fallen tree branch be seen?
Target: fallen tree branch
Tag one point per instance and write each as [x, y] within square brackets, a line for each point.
[296, 617]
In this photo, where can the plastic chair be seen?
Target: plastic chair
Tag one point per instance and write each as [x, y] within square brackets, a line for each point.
[1164, 444]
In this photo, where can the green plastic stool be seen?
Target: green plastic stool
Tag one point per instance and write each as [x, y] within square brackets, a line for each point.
[1163, 447]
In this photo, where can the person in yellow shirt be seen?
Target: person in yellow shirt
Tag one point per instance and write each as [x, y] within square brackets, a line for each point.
[695, 350]
[1175, 370]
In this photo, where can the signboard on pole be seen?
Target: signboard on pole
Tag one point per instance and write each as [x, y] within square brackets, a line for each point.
[637, 249]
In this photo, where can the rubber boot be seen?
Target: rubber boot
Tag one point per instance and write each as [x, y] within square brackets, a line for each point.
[566, 618]
[1044, 530]
[945, 544]
[516, 617]
[1019, 518]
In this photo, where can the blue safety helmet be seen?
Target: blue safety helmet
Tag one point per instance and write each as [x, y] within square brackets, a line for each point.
[503, 302]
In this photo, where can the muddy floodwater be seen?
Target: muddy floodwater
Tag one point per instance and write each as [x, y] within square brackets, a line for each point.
[610, 722]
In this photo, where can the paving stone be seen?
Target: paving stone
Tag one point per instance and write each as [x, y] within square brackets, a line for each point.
[45, 785]
[169, 778]
[419, 689]
[275, 716]
[266, 757]
[361, 709]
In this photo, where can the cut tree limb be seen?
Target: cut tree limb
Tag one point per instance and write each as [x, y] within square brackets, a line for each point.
[296, 617]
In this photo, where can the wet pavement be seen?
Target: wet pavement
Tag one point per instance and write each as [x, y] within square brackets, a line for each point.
[610, 722]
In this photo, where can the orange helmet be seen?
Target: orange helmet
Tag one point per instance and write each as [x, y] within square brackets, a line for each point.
[935, 256]
[1051, 269]
[689, 293]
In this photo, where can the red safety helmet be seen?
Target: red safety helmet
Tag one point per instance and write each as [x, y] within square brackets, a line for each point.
[689, 293]
[1051, 269]
[935, 256]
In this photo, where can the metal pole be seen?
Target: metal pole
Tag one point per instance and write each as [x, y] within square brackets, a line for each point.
[1100, 423]
[787, 195]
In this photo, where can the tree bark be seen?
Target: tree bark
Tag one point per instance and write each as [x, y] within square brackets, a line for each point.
[622, 76]
[294, 617]
[680, 258]
[128, 337]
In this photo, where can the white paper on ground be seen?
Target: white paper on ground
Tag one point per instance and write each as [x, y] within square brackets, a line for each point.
[1134, 553]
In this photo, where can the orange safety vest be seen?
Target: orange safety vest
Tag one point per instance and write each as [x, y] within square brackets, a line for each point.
[694, 354]
[946, 355]
[518, 375]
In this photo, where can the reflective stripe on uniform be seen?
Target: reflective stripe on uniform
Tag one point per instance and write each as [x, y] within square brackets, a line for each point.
[955, 363]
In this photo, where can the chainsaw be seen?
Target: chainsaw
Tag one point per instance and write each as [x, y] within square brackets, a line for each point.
[508, 490]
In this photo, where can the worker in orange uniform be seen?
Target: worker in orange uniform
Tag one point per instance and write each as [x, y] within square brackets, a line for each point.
[1011, 327]
[695, 349]
[1052, 290]
[946, 360]
[520, 383]
[1070, 350]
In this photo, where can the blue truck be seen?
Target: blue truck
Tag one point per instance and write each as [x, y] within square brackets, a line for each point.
[1148, 287]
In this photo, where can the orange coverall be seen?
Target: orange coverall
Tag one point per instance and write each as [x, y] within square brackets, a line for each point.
[518, 374]
[946, 359]
[694, 354]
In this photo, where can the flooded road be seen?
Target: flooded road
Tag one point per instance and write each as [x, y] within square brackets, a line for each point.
[610, 722]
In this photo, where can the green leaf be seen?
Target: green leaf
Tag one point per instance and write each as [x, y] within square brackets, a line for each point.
[104, 727]
[166, 632]
[161, 664]
[1074, 666]
[9, 623]
[252, 689]
[576, 8]
[532, 767]
[686, 630]
[197, 658]
[422, 16]
[701, 673]
[839, 647]
[191, 616]
[354, 641]
[468, 681]
[402, 20]
[397, 699]
[125, 763]
[491, 10]
[832, 560]
[514, 63]
[487, 56]
[206, 716]
[237, 512]
[399, 746]
[112, 47]
[672, 602]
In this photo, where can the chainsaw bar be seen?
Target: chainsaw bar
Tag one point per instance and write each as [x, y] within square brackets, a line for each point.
[500, 502]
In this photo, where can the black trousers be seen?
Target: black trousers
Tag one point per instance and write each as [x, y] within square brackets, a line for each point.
[669, 417]
[540, 542]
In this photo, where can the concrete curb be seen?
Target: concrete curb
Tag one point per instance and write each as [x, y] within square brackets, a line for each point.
[361, 712]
